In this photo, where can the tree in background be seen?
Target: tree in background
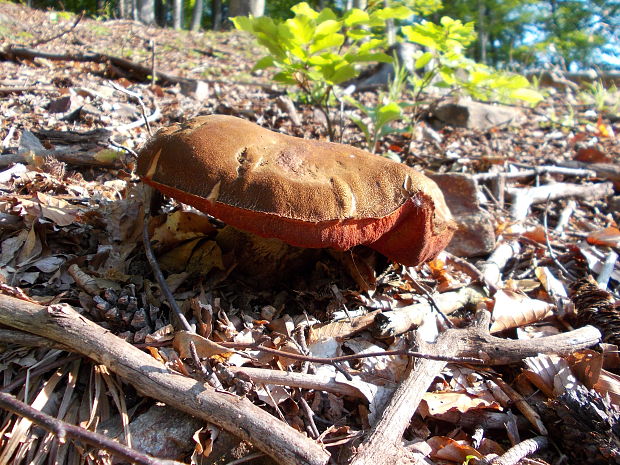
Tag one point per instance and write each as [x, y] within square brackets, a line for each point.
[578, 33]
[510, 33]
[567, 33]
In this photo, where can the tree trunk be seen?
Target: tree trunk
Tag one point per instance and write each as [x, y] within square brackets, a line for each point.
[134, 10]
[255, 8]
[390, 27]
[161, 10]
[146, 11]
[216, 12]
[197, 16]
[483, 35]
[177, 14]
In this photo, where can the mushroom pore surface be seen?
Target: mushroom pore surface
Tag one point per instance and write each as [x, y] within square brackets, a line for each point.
[307, 193]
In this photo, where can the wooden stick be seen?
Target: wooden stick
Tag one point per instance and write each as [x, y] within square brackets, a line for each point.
[64, 430]
[383, 443]
[524, 198]
[239, 416]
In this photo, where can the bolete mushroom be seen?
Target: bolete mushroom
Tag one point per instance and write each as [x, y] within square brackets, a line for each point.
[307, 193]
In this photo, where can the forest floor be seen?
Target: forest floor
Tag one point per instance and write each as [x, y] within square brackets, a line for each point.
[536, 202]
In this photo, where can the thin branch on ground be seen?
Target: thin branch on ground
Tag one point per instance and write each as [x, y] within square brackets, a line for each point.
[63, 430]
[60, 34]
[159, 276]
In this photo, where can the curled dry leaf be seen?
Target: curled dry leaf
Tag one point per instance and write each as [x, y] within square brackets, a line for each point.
[58, 211]
[179, 226]
[609, 237]
[549, 373]
[204, 347]
[438, 403]
[445, 448]
[512, 309]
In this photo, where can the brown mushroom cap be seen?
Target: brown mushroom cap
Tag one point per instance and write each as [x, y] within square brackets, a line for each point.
[307, 193]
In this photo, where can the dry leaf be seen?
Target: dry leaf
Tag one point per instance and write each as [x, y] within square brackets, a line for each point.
[512, 309]
[31, 249]
[204, 347]
[587, 366]
[608, 237]
[180, 226]
[552, 285]
[445, 448]
[592, 155]
[438, 403]
[608, 384]
[58, 211]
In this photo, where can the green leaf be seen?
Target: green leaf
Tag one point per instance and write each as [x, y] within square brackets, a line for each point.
[327, 27]
[419, 37]
[362, 126]
[285, 78]
[330, 41]
[388, 113]
[243, 23]
[371, 44]
[358, 34]
[355, 17]
[397, 12]
[265, 62]
[379, 57]
[343, 73]
[423, 60]
[527, 95]
[326, 14]
[301, 29]
[303, 9]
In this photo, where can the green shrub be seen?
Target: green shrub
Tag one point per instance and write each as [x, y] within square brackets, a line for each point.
[309, 49]
[315, 52]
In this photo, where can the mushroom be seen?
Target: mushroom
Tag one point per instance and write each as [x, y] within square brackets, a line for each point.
[307, 193]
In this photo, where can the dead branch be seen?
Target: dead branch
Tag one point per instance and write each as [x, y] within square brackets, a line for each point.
[70, 156]
[64, 430]
[60, 34]
[300, 380]
[239, 416]
[383, 443]
[135, 70]
[513, 455]
[609, 171]
[537, 171]
[524, 198]
[8, 336]
[401, 320]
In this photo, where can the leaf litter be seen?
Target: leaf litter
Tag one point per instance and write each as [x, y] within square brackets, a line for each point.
[71, 233]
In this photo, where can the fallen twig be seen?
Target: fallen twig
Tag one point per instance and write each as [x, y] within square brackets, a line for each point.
[63, 430]
[150, 256]
[609, 171]
[513, 455]
[537, 171]
[401, 320]
[237, 415]
[383, 443]
[38, 42]
[524, 198]
[69, 155]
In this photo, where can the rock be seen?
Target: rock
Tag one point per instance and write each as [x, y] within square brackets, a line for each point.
[475, 235]
[476, 115]
[199, 90]
[29, 143]
[614, 207]
[161, 431]
[60, 105]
